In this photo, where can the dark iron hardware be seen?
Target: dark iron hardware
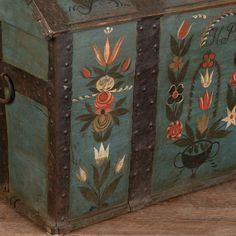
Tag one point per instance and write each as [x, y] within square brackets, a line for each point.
[10, 95]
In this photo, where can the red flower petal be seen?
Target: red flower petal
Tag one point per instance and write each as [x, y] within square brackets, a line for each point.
[212, 56]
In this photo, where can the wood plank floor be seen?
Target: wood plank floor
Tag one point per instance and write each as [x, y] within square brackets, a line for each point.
[209, 212]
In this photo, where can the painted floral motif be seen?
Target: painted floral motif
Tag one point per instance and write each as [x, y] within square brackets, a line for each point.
[184, 30]
[176, 94]
[104, 82]
[233, 79]
[231, 101]
[206, 101]
[177, 72]
[200, 141]
[231, 117]
[208, 60]
[99, 182]
[206, 79]
[174, 131]
[176, 64]
[105, 178]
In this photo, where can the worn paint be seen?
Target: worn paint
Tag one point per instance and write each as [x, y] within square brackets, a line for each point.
[25, 51]
[79, 11]
[210, 69]
[86, 150]
[19, 14]
[27, 145]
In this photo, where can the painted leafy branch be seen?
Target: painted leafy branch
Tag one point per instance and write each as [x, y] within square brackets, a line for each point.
[103, 83]
[231, 100]
[215, 131]
[105, 179]
[102, 123]
[177, 72]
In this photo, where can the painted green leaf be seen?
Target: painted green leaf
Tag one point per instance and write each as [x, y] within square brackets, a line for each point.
[105, 173]
[120, 112]
[96, 178]
[230, 98]
[116, 120]
[235, 59]
[85, 126]
[107, 134]
[182, 44]
[92, 82]
[97, 137]
[218, 134]
[172, 77]
[179, 110]
[118, 85]
[183, 72]
[102, 137]
[170, 114]
[196, 148]
[89, 194]
[174, 46]
[120, 102]
[110, 189]
[114, 69]
[118, 75]
[189, 131]
[184, 142]
[88, 108]
[185, 49]
[93, 90]
[99, 71]
[86, 117]
[215, 125]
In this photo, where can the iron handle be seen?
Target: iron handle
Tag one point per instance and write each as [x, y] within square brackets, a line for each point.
[11, 92]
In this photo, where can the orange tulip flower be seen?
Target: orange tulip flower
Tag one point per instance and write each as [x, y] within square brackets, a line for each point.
[108, 57]
[206, 101]
[184, 30]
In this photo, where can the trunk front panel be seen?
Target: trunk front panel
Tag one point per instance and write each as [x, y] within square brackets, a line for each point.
[103, 78]
[196, 100]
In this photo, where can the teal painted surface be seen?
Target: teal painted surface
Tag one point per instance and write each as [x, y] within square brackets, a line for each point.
[84, 10]
[27, 148]
[221, 42]
[119, 142]
[25, 51]
[19, 14]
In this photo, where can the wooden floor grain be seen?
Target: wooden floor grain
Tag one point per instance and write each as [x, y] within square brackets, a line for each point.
[209, 212]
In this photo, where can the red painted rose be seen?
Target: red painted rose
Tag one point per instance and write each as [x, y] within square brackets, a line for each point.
[233, 79]
[103, 102]
[174, 130]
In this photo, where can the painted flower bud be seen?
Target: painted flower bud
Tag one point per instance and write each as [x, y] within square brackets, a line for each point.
[86, 73]
[120, 165]
[82, 176]
[233, 79]
[126, 64]
[184, 30]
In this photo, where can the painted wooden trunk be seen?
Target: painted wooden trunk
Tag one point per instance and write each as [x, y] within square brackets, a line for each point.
[109, 106]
